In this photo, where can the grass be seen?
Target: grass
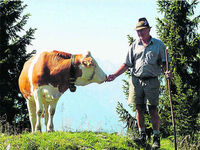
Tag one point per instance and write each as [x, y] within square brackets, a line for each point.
[167, 144]
[70, 140]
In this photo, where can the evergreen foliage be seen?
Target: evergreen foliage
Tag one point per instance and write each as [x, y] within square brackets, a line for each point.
[178, 30]
[12, 57]
[129, 121]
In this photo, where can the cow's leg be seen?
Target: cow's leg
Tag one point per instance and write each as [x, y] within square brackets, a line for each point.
[51, 112]
[39, 109]
[32, 113]
[46, 116]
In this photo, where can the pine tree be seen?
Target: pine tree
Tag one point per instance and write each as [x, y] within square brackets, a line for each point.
[12, 57]
[178, 30]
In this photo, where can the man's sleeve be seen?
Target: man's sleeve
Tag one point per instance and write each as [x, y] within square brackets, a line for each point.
[129, 57]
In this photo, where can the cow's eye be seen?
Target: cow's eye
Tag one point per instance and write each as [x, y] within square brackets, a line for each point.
[87, 62]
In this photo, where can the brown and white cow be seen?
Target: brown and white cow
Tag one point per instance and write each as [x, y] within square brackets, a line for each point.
[46, 76]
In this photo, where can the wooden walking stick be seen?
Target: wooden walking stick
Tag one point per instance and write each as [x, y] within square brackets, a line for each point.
[170, 99]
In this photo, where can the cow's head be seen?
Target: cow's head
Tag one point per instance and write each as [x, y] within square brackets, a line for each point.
[91, 72]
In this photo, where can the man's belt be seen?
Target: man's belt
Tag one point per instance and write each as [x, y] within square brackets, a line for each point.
[146, 78]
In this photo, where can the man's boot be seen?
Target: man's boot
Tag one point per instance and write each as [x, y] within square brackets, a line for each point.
[141, 140]
[156, 141]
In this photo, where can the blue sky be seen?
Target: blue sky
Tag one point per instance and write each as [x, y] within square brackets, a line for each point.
[99, 26]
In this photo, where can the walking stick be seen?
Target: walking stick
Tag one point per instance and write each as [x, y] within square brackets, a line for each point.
[170, 99]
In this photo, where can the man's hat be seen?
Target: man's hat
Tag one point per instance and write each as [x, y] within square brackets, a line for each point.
[142, 24]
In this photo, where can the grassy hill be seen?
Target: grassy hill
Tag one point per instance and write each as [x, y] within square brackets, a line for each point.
[70, 140]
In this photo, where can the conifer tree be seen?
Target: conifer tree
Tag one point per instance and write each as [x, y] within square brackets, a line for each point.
[178, 30]
[13, 42]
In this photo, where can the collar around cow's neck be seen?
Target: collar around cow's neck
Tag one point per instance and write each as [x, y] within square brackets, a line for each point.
[72, 77]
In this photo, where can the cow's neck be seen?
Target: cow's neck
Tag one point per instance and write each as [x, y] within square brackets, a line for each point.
[93, 73]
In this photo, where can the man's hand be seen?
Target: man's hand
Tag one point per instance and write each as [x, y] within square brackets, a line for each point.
[168, 75]
[121, 70]
[110, 78]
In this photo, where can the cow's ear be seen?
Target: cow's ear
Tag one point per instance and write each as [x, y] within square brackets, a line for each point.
[87, 61]
[88, 54]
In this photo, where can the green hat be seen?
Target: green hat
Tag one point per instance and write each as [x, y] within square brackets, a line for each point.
[142, 24]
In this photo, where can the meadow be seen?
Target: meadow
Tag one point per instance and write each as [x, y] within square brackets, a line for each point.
[72, 141]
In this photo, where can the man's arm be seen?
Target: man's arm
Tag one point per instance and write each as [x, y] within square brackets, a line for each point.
[120, 71]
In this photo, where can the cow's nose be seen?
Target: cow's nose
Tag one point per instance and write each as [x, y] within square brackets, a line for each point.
[105, 79]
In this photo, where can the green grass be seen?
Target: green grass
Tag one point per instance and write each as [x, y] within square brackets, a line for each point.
[167, 144]
[70, 140]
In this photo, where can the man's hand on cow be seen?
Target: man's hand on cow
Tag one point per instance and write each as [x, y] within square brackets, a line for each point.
[168, 75]
[110, 78]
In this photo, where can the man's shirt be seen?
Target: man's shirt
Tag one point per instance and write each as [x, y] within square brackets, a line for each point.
[146, 61]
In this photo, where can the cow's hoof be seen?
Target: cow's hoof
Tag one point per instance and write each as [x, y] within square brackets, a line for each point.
[50, 131]
[37, 131]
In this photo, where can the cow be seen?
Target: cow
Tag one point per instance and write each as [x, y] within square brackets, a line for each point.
[46, 76]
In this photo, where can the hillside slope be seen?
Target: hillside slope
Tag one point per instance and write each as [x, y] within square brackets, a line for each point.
[70, 140]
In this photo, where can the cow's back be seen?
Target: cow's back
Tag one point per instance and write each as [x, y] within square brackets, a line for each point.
[46, 68]
[51, 68]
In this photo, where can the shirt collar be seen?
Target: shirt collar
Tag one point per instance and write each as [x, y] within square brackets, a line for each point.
[150, 42]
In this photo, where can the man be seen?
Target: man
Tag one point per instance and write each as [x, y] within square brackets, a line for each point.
[145, 58]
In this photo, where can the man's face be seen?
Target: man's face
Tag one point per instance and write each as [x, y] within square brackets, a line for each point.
[143, 34]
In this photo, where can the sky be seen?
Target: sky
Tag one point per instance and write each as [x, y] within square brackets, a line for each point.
[99, 26]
